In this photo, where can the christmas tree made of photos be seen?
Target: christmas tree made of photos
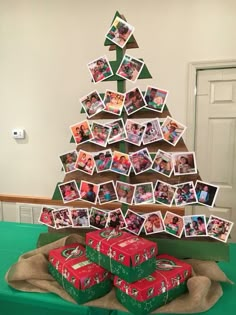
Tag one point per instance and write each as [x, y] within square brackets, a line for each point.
[130, 167]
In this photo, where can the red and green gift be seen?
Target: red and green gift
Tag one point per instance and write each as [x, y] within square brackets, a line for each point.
[167, 282]
[82, 279]
[128, 256]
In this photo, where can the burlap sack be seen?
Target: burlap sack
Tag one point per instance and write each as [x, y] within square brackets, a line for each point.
[30, 274]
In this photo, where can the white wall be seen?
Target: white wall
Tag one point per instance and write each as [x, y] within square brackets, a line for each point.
[45, 46]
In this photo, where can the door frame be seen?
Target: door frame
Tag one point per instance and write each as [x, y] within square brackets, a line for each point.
[193, 69]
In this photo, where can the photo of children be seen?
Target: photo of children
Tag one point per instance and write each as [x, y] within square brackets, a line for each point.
[185, 194]
[118, 132]
[46, 216]
[163, 163]
[80, 217]
[62, 218]
[107, 192]
[153, 223]
[134, 222]
[113, 102]
[69, 191]
[125, 192]
[121, 163]
[120, 32]
[134, 101]
[134, 132]
[98, 218]
[184, 163]
[174, 224]
[88, 191]
[141, 161]
[68, 161]
[172, 130]
[81, 132]
[164, 193]
[100, 69]
[92, 104]
[130, 68]
[206, 193]
[152, 131]
[116, 219]
[144, 193]
[100, 134]
[85, 162]
[219, 228]
[195, 225]
[103, 160]
[155, 98]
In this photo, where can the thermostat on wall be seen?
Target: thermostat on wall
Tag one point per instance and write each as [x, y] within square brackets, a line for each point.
[18, 133]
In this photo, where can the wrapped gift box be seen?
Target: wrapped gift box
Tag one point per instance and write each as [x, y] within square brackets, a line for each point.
[163, 285]
[125, 255]
[82, 279]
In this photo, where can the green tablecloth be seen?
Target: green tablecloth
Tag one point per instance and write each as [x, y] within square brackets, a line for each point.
[16, 238]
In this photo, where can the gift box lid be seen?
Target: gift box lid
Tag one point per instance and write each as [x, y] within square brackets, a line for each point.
[70, 261]
[121, 246]
[170, 272]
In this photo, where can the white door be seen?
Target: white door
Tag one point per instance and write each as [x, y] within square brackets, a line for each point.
[215, 139]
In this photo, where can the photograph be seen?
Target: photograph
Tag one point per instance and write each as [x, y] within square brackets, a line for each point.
[185, 194]
[195, 225]
[162, 163]
[81, 132]
[206, 193]
[155, 98]
[100, 69]
[152, 131]
[98, 218]
[172, 130]
[153, 223]
[68, 161]
[164, 193]
[62, 218]
[134, 132]
[141, 161]
[46, 216]
[85, 162]
[103, 160]
[79, 217]
[174, 224]
[121, 163]
[92, 104]
[130, 68]
[88, 191]
[144, 194]
[116, 219]
[120, 32]
[69, 191]
[134, 222]
[118, 132]
[219, 228]
[113, 102]
[125, 192]
[184, 163]
[134, 101]
[107, 192]
[100, 134]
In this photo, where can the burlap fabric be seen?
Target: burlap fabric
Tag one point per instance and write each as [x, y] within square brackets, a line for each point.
[30, 274]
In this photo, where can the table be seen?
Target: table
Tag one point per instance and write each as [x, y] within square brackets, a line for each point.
[17, 238]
